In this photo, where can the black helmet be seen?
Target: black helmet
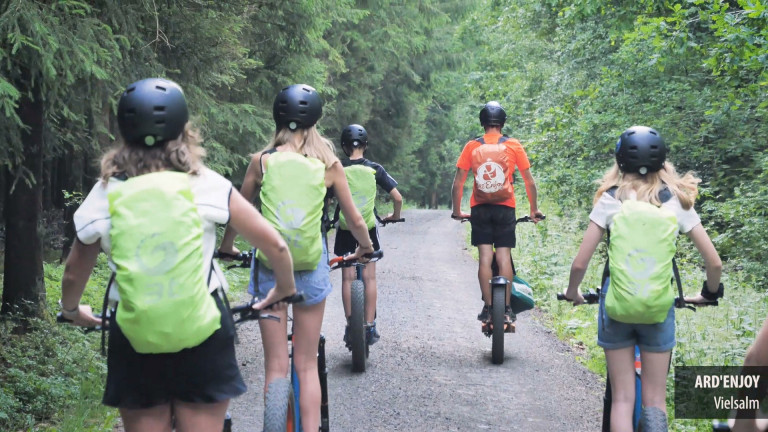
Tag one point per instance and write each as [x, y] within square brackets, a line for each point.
[297, 107]
[353, 136]
[152, 111]
[640, 150]
[493, 114]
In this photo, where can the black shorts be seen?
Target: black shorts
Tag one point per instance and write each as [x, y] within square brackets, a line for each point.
[206, 373]
[346, 244]
[494, 225]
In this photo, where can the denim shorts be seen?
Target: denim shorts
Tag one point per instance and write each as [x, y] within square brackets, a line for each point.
[314, 284]
[612, 334]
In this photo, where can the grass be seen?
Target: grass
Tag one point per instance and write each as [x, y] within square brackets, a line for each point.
[710, 336]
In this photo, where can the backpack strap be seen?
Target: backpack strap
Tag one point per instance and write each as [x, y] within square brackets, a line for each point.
[480, 139]
[104, 310]
[261, 159]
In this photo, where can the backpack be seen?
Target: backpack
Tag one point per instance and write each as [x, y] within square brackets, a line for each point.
[292, 198]
[156, 236]
[362, 184]
[490, 164]
[640, 265]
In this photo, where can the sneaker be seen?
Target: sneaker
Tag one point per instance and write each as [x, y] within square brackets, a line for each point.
[484, 314]
[371, 335]
[509, 317]
[346, 338]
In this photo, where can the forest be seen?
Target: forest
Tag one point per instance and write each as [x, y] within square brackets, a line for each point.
[572, 75]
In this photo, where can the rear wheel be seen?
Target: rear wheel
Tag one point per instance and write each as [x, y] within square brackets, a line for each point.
[279, 407]
[498, 293]
[357, 327]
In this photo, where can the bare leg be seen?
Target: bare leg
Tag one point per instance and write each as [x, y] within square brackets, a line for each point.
[274, 339]
[203, 417]
[307, 322]
[484, 272]
[621, 371]
[371, 293]
[155, 419]
[504, 261]
[347, 276]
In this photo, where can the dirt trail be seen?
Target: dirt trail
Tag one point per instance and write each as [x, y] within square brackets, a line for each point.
[432, 368]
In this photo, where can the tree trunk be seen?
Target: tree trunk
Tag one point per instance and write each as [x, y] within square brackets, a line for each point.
[23, 284]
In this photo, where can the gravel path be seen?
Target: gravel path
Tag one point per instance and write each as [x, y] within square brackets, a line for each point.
[432, 368]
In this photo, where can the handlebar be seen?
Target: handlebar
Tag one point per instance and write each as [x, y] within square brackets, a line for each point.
[593, 296]
[340, 262]
[525, 218]
[246, 312]
[243, 312]
[243, 259]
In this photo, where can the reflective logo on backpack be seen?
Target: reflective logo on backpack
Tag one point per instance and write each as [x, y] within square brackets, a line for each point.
[490, 177]
[290, 217]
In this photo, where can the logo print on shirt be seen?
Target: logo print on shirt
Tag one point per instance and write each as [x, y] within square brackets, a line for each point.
[489, 177]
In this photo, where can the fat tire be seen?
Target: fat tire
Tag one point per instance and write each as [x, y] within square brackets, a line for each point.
[357, 327]
[497, 320]
[279, 406]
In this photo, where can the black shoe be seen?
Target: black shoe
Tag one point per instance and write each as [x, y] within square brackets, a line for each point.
[509, 316]
[346, 338]
[483, 315]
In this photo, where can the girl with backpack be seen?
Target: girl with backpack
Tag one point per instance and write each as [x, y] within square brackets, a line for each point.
[641, 176]
[154, 212]
[292, 175]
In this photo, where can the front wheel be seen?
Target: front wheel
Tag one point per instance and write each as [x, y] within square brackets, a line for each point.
[498, 295]
[279, 407]
[357, 340]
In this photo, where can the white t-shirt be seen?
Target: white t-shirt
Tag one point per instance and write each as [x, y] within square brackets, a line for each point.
[607, 207]
[211, 192]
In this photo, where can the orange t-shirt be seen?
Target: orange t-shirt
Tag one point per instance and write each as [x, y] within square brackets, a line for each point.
[515, 154]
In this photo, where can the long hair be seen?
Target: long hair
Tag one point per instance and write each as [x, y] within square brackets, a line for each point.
[184, 155]
[647, 187]
[308, 142]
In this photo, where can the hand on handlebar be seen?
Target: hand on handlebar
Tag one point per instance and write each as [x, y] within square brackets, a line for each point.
[83, 317]
[577, 299]
[360, 255]
[273, 298]
[461, 216]
[700, 300]
[537, 216]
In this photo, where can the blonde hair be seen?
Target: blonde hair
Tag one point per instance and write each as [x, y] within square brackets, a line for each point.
[184, 155]
[308, 142]
[647, 187]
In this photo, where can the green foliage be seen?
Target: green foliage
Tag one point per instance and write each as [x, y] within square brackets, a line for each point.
[53, 376]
